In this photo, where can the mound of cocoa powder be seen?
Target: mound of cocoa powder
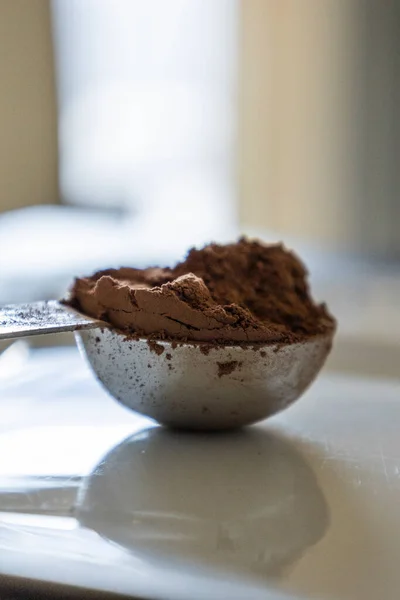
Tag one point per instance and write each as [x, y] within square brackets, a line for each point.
[235, 293]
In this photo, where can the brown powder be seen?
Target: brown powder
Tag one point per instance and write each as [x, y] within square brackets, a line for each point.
[222, 294]
[154, 347]
[206, 348]
[226, 368]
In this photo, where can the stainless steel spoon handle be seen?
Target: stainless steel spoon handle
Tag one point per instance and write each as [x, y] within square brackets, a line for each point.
[19, 320]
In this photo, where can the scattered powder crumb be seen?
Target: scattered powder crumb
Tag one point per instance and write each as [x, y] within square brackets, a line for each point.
[206, 348]
[154, 347]
[226, 368]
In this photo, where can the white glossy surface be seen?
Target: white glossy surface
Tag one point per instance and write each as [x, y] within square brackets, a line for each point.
[307, 502]
[183, 386]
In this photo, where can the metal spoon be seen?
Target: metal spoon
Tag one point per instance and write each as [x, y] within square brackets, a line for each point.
[187, 385]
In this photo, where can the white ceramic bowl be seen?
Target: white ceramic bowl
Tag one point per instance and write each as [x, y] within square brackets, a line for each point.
[186, 386]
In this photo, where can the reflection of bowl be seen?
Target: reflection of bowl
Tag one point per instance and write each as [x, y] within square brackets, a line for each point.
[245, 500]
[191, 386]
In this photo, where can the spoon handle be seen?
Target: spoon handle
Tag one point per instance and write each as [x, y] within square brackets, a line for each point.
[36, 318]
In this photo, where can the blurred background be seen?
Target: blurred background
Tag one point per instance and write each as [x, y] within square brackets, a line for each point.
[133, 130]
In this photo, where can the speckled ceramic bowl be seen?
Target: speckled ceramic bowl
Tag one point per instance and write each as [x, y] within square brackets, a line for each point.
[194, 387]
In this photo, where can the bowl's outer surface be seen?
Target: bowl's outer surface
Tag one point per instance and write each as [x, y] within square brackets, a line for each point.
[189, 386]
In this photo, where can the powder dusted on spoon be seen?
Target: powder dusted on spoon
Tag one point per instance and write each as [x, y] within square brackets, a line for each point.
[222, 294]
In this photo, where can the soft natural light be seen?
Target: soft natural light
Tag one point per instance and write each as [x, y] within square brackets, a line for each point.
[60, 451]
[147, 111]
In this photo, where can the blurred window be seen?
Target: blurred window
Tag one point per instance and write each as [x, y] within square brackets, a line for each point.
[147, 99]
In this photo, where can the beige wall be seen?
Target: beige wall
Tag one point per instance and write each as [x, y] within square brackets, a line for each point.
[28, 126]
[319, 120]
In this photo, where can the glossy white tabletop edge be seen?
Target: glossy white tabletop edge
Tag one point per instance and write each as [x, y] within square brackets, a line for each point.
[306, 503]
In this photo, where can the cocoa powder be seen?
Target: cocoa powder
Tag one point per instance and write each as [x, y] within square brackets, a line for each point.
[222, 294]
[226, 368]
